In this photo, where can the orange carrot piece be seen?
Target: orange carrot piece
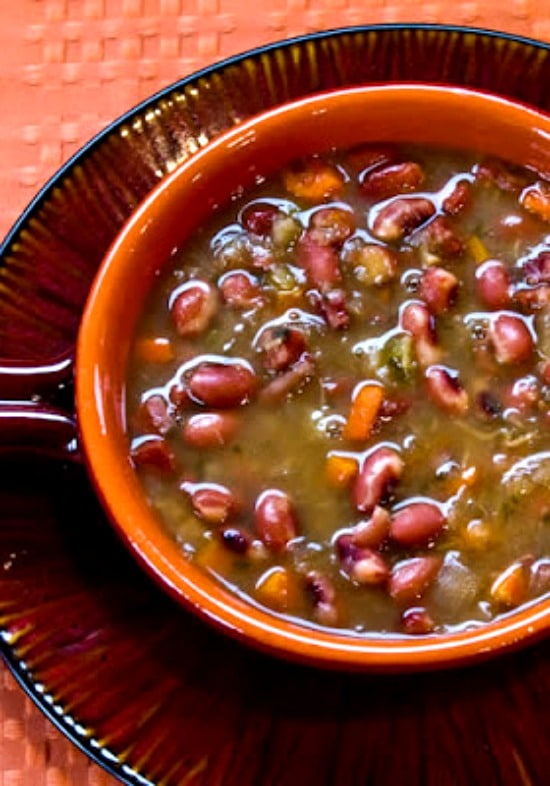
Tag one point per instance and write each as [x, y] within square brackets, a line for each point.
[215, 557]
[511, 587]
[366, 401]
[340, 470]
[315, 182]
[154, 350]
[274, 588]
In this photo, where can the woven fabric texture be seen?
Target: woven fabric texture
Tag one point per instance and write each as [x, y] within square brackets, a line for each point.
[69, 67]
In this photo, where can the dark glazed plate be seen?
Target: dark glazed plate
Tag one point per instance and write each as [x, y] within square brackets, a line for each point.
[144, 688]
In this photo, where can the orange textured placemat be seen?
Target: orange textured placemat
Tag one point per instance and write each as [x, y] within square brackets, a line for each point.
[67, 68]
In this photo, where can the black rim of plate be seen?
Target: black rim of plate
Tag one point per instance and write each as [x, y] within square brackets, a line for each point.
[67, 725]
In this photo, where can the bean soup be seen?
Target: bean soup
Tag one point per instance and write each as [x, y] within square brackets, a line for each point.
[339, 395]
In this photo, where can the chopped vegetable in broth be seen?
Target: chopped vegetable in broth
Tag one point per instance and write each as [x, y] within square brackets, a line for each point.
[339, 396]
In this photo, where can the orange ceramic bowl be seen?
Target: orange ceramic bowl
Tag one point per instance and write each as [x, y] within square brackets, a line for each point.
[449, 117]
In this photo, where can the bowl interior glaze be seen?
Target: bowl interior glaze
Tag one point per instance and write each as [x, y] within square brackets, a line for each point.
[422, 114]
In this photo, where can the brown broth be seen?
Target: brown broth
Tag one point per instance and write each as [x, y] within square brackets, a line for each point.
[476, 450]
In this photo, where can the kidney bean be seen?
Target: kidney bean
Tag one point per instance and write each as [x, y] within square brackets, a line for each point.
[416, 319]
[235, 539]
[258, 218]
[365, 156]
[438, 289]
[210, 429]
[211, 502]
[153, 452]
[510, 339]
[222, 386]
[380, 472]
[282, 346]
[441, 239]
[319, 261]
[386, 181]
[240, 289]
[458, 199]
[536, 200]
[323, 595]
[537, 270]
[288, 382]
[275, 519]
[373, 265]
[446, 390]
[410, 578]
[417, 524]
[372, 532]
[194, 307]
[331, 226]
[154, 414]
[493, 284]
[416, 621]
[400, 217]
[493, 171]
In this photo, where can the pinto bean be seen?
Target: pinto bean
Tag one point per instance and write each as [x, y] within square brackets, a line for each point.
[416, 319]
[364, 566]
[510, 339]
[446, 390]
[282, 346]
[240, 289]
[211, 502]
[386, 181]
[493, 284]
[416, 621]
[372, 532]
[275, 519]
[210, 429]
[417, 524]
[410, 578]
[154, 414]
[319, 261]
[323, 595]
[438, 289]
[331, 226]
[221, 385]
[400, 217]
[289, 382]
[258, 218]
[536, 200]
[380, 472]
[153, 452]
[458, 199]
[193, 307]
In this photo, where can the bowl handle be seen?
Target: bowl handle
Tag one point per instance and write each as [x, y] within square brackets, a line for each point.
[28, 422]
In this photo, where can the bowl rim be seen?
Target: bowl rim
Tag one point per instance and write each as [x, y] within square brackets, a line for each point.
[194, 587]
